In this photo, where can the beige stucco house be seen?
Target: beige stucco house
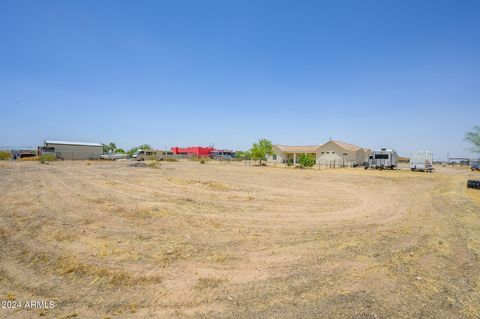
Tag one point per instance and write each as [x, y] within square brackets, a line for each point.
[333, 152]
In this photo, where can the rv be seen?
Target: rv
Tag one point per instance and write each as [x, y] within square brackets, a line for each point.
[421, 161]
[383, 159]
[159, 155]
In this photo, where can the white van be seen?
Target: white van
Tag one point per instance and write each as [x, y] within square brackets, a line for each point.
[382, 159]
[421, 161]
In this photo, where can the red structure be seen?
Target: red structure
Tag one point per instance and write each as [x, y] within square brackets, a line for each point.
[193, 151]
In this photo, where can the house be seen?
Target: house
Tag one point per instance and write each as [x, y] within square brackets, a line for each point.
[333, 152]
[290, 154]
[74, 150]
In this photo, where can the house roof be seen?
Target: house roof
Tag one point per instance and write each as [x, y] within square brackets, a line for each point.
[347, 146]
[72, 143]
[314, 148]
[298, 149]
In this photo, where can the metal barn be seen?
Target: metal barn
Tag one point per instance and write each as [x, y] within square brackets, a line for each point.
[75, 150]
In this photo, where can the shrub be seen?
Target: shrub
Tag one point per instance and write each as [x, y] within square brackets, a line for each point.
[306, 160]
[171, 159]
[154, 164]
[202, 161]
[4, 155]
[45, 158]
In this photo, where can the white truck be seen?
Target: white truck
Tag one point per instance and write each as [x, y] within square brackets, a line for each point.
[382, 159]
[421, 161]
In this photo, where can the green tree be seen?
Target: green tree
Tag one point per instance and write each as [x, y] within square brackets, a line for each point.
[120, 151]
[306, 160]
[261, 150]
[109, 148]
[474, 137]
[140, 147]
[243, 155]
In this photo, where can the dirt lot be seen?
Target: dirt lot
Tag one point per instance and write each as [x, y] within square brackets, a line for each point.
[103, 239]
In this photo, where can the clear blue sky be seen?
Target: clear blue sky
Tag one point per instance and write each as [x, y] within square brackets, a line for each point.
[400, 74]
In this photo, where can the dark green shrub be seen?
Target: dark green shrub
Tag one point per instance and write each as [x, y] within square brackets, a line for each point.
[306, 160]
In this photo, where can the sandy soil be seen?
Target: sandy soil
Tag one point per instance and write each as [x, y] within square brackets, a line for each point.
[105, 240]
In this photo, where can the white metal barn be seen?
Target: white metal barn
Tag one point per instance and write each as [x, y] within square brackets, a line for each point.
[75, 150]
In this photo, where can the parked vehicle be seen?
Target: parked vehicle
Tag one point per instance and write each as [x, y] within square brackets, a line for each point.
[475, 184]
[114, 156]
[421, 161]
[159, 155]
[222, 155]
[382, 159]
[475, 166]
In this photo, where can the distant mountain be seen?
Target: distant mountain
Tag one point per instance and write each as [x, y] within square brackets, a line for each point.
[11, 147]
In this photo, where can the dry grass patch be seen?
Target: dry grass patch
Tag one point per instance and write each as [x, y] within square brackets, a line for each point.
[209, 283]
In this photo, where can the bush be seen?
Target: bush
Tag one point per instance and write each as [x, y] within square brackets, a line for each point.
[306, 160]
[154, 164]
[202, 161]
[171, 159]
[45, 158]
[4, 155]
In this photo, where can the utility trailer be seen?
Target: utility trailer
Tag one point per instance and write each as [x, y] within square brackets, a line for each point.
[421, 161]
[383, 159]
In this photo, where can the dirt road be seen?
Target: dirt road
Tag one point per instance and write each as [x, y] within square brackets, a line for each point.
[103, 239]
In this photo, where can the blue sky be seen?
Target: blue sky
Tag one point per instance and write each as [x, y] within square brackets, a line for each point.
[399, 74]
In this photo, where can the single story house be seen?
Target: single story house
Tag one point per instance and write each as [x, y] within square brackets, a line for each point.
[336, 152]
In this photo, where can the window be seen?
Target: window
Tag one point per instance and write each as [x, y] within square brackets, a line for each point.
[381, 156]
[345, 154]
[323, 152]
[274, 157]
[333, 152]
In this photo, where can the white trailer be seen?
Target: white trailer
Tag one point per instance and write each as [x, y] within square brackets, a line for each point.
[382, 159]
[421, 161]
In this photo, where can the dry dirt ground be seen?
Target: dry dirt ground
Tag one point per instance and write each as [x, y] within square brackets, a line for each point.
[106, 240]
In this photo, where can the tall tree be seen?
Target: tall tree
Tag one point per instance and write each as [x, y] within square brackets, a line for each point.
[113, 147]
[261, 150]
[474, 137]
[109, 148]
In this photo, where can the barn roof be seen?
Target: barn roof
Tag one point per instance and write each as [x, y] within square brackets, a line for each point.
[72, 143]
